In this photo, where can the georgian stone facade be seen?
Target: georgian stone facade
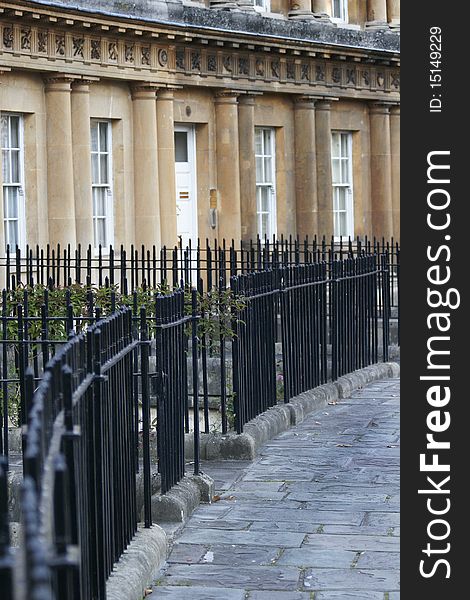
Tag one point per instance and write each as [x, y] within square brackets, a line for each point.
[138, 122]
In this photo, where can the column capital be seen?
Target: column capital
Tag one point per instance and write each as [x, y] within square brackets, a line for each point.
[167, 93]
[59, 82]
[144, 90]
[82, 86]
[380, 108]
[395, 110]
[325, 103]
[249, 98]
[305, 101]
[226, 96]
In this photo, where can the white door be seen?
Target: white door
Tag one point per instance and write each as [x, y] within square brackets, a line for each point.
[185, 171]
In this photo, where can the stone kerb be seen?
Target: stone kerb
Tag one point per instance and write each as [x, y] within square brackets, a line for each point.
[230, 446]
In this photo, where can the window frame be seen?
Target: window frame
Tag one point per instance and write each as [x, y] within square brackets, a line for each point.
[21, 185]
[109, 194]
[264, 7]
[348, 186]
[272, 213]
[344, 10]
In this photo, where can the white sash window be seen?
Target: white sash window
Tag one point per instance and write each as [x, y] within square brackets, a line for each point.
[265, 181]
[343, 205]
[340, 10]
[102, 176]
[13, 180]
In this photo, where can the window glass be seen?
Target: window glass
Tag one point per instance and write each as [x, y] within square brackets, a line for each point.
[181, 146]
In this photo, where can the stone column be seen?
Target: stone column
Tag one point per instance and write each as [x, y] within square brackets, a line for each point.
[322, 10]
[395, 158]
[82, 162]
[376, 14]
[224, 4]
[146, 192]
[228, 165]
[305, 167]
[166, 166]
[393, 14]
[246, 138]
[301, 10]
[324, 175]
[60, 186]
[381, 170]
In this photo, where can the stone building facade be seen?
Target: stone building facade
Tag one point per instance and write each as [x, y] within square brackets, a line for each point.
[145, 121]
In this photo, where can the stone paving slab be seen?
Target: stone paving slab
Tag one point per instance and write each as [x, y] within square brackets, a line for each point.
[249, 578]
[199, 593]
[315, 516]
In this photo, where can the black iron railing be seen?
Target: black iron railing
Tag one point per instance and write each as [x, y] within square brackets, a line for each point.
[209, 263]
[330, 325]
[87, 425]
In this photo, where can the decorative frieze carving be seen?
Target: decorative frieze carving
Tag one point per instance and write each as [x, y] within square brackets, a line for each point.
[78, 46]
[42, 41]
[163, 57]
[26, 39]
[184, 61]
[60, 44]
[145, 56]
[129, 53]
[95, 49]
[112, 51]
[212, 63]
[8, 37]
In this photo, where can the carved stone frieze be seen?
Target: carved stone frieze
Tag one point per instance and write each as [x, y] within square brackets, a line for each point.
[180, 62]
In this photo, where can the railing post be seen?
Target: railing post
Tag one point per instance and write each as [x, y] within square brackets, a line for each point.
[385, 307]
[6, 556]
[144, 369]
[334, 320]
[195, 372]
[235, 360]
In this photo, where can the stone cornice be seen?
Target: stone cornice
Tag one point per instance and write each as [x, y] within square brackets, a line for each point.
[111, 54]
[173, 20]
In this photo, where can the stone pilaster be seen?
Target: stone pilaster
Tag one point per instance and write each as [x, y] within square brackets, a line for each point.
[60, 186]
[166, 166]
[324, 175]
[81, 151]
[228, 165]
[301, 10]
[246, 137]
[322, 11]
[305, 167]
[376, 14]
[381, 170]
[146, 191]
[395, 157]
[393, 14]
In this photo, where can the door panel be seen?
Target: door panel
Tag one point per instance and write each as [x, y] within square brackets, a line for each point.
[186, 204]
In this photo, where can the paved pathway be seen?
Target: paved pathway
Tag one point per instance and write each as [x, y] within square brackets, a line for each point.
[316, 516]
